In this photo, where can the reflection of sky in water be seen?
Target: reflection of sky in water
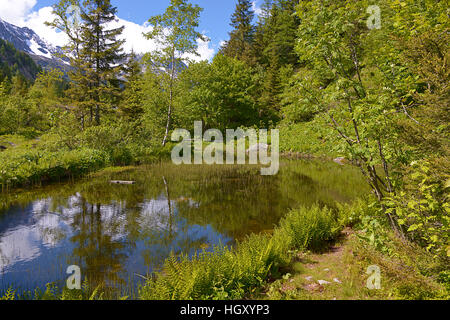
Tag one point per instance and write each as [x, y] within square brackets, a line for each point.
[36, 244]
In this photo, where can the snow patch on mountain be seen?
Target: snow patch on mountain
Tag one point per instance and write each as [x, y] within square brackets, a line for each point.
[26, 40]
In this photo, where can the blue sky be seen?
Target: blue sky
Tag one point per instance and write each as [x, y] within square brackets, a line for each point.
[214, 21]
[215, 18]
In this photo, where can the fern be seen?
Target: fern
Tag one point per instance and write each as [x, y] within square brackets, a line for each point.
[9, 295]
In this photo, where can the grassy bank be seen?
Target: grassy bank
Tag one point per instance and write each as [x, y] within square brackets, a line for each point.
[310, 138]
[28, 162]
[341, 272]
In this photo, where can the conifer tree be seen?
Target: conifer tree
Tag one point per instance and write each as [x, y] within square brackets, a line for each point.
[242, 36]
[132, 96]
[284, 25]
[19, 85]
[274, 48]
[95, 53]
[102, 53]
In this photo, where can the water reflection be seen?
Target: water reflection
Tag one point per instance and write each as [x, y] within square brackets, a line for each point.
[112, 244]
[117, 234]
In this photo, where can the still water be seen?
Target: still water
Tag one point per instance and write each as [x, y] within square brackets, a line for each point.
[119, 234]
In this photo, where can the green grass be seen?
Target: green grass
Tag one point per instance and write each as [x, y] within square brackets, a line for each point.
[347, 262]
[52, 292]
[27, 162]
[309, 138]
[408, 271]
[26, 167]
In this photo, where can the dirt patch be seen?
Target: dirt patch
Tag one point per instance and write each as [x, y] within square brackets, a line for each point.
[314, 287]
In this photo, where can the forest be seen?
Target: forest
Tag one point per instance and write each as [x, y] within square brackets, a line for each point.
[366, 81]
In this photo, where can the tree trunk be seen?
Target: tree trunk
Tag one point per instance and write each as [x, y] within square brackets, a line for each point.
[169, 113]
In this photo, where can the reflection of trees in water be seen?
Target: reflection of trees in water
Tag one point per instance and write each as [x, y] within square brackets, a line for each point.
[237, 204]
[172, 237]
[4, 261]
[99, 255]
[241, 201]
[169, 205]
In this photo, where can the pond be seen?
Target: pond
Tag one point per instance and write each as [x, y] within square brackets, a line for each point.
[120, 234]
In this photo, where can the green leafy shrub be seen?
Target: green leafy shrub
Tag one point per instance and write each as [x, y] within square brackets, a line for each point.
[424, 210]
[122, 156]
[444, 278]
[29, 133]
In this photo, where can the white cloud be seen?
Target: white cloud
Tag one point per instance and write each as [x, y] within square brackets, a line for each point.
[133, 34]
[204, 50]
[19, 12]
[256, 9]
[13, 11]
[36, 20]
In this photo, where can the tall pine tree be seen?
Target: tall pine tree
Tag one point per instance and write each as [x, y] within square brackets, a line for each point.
[132, 96]
[273, 48]
[241, 38]
[95, 54]
[103, 53]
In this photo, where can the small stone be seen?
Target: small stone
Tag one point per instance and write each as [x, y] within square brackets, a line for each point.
[340, 160]
[287, 287]
[315, 287]
[258, 147]
[309, 278]
[323, 282]
[326, 270]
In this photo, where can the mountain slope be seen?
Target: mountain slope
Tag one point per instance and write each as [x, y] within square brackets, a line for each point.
[13, 61]
[26, 40]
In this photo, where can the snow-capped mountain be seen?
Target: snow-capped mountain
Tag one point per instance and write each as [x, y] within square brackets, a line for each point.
[46, 55]
[26, 40]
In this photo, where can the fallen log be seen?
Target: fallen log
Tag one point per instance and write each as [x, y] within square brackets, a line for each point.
[122, 182]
